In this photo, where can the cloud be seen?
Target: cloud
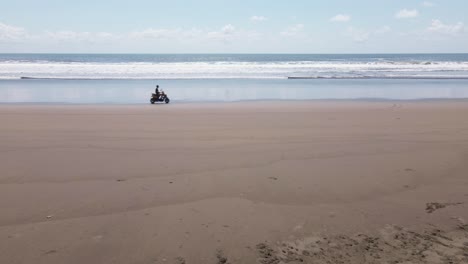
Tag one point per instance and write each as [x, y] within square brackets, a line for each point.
[225, 34]
[358, 35]
[228, 29]
[258, 18]
[151, 33]
[293, 31]
[341, 18]
[383, 30]
[106, 35]
[438, 26]
[11, 33]
[405, 13]
[428, 4]
[74, 36]
[191, 33]
[67, 35]
[361, 35]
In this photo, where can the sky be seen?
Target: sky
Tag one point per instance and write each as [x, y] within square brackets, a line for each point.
[233, 26]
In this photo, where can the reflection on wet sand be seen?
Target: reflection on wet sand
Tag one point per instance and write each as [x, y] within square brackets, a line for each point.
[139, 91]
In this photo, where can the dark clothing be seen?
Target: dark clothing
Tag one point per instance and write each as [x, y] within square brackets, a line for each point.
[157, 92]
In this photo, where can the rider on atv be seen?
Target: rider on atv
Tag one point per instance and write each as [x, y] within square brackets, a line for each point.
[157, 91]
[159, 96]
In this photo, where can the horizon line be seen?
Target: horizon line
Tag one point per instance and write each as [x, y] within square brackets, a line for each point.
[233, 53]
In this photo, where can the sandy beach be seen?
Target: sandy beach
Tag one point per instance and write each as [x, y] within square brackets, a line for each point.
[248, 182]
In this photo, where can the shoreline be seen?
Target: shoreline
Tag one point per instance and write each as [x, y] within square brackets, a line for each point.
[217, 91]
[260, 101]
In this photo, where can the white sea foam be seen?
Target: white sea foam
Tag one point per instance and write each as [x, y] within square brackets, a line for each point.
[229, 70]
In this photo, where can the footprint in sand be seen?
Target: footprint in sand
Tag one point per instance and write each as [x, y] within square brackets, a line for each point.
[393, 244]
[221, 258]
[180, 260]
[432, 207]
[53, 251]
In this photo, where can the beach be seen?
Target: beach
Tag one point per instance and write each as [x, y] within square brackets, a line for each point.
[243, 182]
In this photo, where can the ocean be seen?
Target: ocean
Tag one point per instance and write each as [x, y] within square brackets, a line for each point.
[130, 78]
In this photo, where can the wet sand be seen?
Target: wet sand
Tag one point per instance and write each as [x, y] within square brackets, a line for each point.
[251, 182]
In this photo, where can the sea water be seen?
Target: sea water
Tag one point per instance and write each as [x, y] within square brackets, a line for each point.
[130, 78]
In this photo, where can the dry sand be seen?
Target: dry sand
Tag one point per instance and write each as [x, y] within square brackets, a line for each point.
[268, 182]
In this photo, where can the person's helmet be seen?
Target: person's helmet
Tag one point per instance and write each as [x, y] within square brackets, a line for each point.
[157, 86]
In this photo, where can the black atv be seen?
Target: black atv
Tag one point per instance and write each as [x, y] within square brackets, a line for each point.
[161, 98]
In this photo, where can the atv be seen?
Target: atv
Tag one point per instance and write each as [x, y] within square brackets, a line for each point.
[161, 98]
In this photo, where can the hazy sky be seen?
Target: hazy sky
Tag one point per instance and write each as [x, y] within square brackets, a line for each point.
[234, 26]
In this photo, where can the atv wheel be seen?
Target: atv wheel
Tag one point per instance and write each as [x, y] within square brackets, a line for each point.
[152, 101]
[167, 100]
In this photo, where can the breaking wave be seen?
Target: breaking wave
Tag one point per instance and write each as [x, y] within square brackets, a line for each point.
[331, 69]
